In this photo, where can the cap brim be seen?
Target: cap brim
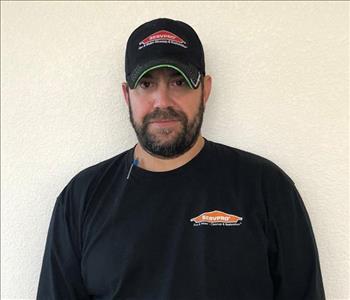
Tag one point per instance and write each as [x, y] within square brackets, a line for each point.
[189, 72]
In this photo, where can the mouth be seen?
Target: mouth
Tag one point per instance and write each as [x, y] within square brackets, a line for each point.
[166, 122]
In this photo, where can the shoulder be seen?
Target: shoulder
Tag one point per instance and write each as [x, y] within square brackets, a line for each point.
[248, 164]
[235, 154]
[83, 183]
[249, 171]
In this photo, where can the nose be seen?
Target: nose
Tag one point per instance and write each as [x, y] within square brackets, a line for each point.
[162, 97]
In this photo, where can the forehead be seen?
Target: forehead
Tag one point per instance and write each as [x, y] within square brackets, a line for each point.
[162, 72]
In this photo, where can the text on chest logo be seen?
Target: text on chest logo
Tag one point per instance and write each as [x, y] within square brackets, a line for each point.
[216, 217]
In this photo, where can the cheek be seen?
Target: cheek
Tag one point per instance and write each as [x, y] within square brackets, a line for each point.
[139, 111]
[190, 107]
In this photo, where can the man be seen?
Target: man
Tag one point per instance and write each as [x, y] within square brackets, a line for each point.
[178, 216]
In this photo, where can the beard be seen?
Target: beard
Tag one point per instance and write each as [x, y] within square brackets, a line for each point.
[168, 142]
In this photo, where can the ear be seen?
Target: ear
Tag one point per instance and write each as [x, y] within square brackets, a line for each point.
[206, 87]
[126, 93]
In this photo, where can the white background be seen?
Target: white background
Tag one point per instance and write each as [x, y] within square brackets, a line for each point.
[280, 90]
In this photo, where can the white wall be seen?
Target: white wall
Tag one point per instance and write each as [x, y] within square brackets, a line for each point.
[280, 73]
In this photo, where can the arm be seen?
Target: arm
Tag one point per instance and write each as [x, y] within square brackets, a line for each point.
[60, 276]
[293, 255]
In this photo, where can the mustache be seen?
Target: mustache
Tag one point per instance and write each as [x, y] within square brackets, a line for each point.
[164, 114]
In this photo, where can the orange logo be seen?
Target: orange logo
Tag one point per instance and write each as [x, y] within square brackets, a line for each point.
[216, 217]
[162, 36]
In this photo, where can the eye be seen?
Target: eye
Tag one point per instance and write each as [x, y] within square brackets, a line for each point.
[144, 84]
[180, 82]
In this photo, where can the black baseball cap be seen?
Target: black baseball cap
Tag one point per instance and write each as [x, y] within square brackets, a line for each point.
[164, 43]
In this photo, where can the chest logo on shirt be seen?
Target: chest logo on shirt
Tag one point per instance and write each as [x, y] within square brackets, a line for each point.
[216, 218]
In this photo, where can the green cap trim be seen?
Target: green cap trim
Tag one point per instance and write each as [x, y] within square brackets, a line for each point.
[164, 66]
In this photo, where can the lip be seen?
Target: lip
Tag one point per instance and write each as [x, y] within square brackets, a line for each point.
[164, 122]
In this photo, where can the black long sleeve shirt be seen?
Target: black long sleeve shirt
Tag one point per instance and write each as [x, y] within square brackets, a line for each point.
[227, 225]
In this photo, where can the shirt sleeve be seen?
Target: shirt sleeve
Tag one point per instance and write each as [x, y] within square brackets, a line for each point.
[293, 256]
[60, 276]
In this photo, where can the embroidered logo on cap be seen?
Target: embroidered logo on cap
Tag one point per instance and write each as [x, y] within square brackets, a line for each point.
[216, 217]
[162, 36]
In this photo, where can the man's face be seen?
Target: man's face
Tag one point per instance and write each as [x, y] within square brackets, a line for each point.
[165, 112]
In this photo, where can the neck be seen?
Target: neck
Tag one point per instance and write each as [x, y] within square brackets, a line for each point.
[156, 164]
